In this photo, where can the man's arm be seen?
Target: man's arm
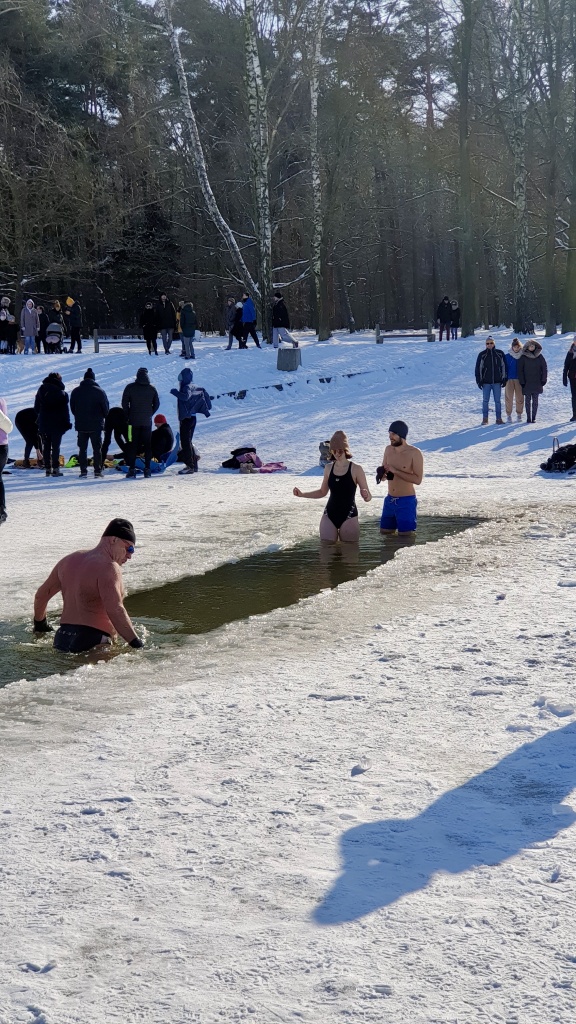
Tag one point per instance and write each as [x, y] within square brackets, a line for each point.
[109, 583]
[45, 592]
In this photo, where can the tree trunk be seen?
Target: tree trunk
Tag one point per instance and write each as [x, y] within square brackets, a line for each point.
[553, 46]
[469, 289]
[260, 161]
[518, 141]
[197, 153]
[569, 298]
[316, 178]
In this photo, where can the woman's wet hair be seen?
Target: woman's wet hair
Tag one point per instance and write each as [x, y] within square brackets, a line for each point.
[339, 440]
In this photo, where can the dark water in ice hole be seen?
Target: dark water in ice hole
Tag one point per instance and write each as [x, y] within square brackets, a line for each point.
[233, 591]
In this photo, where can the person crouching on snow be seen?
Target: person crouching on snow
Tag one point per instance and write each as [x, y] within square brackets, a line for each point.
[192, 401]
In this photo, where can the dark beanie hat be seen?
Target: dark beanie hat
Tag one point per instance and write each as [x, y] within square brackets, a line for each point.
[89, 375]
[399, 427]
[120, 528]
[142, 375]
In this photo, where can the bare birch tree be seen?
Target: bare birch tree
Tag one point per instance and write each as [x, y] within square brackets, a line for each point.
[318, 250]
[164, 8]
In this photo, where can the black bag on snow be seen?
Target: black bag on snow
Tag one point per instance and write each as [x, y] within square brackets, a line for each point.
[562, 459]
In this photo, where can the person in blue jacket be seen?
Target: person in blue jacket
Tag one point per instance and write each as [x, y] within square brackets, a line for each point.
[513, 387]
[192, 402]
[248, 321]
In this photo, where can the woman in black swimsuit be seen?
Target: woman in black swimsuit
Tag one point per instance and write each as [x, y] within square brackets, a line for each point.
[341, 478]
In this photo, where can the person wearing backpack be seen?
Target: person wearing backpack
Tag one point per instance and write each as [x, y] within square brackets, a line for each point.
[533, 376]
[569, 374]
[192, 402]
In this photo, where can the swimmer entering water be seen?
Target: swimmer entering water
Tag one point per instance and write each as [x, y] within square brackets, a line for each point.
[93, 596]
[341, 478]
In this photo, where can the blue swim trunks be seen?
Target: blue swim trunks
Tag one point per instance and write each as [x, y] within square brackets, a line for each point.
[399, 513]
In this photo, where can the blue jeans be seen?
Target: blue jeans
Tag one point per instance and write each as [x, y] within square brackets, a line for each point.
[496, 389]
[29, 345]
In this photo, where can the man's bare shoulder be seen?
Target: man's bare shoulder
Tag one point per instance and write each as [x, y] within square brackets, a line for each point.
[412, 448]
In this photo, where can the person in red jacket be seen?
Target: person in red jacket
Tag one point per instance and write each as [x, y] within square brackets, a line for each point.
[93, 595]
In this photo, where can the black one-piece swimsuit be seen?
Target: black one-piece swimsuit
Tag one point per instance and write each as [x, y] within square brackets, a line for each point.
[341, 503]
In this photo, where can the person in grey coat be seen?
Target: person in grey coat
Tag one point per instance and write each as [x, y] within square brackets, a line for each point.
[89, 406]
[140, 401]
[533, 376]
[30, 326]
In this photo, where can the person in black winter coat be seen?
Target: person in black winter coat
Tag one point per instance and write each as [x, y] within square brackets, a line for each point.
[73, 317]
[140, 401]
[166, 316]
[44, 321]
[52, 411]
[444, 317]
[188, 328]
[281, 322]
[456, 319]
[569, 374]
[25, 421]
[533, 376]
[491, 376]
[117, 424]
[89, 405]
[149, 327]
[162, 438]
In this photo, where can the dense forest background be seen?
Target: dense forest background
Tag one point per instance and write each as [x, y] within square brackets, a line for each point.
[366, 157]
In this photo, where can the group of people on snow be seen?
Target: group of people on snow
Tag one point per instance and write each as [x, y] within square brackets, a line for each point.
[448, 318]
[522, 372]
[139, 430]
[39, 328]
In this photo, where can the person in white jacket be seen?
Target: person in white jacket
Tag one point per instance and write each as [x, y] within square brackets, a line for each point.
[5, 428]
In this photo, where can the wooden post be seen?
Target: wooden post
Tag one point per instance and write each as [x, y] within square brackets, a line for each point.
[289, 358]
[379, 338]
[431, 332]
[96, 343]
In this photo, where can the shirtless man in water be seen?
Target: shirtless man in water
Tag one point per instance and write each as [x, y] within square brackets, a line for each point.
[403, 465]
[93, 595]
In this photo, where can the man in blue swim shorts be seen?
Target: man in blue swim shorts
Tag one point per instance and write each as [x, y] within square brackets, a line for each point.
[403, 466]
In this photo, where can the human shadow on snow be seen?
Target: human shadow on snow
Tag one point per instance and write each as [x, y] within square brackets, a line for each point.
[487, 820]
[510, 435]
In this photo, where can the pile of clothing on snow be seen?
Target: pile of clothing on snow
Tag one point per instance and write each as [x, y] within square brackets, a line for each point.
[246, 460]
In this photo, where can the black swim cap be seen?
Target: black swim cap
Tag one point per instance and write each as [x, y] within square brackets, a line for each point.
[121, 528]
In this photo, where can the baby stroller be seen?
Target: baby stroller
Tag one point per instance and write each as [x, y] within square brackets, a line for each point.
[54, 335]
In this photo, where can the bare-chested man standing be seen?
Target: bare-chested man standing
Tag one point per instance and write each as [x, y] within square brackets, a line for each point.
[403, 465]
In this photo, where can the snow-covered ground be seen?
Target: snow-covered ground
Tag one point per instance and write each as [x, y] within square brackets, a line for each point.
[181, 837]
